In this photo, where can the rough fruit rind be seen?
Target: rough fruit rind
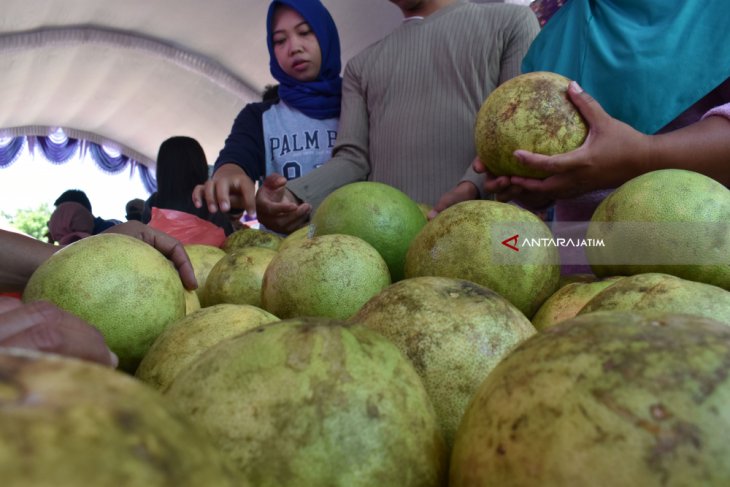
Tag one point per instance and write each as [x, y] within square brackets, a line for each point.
[313, 401]
[122, 286]
[603, 399]
[529, 112]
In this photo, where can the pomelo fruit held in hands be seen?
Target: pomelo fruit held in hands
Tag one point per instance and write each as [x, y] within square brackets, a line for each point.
[122, 286]
[530, 112]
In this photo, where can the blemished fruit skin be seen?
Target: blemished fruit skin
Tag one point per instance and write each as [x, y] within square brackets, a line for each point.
[687, 230]
[530, 112]
[604, 399]
[67, 423]
[567, 301]
[189, 337]
[329, 275]
[460, 243]
[313, 401]
[302, 233]
[122, 286]
[203, 257]
[237, 277]
[655, 292]
[453, 331]
[380, 214]
[251, 237]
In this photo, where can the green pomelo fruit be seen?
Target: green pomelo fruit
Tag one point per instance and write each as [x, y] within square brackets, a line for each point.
[312, 401]
[330, 275]
[654, 292]
[203, 257]
[453, 331]
[567, 301]
[463, 242]
[669, 221]
[611, 399]
[251, 237]
[122, 286]
[380, 214]
[69, 423]
[302, 233]
[237, 277]
[530, 112]
[186, 339]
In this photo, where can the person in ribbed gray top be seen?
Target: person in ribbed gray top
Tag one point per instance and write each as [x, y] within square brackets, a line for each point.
[409, 105]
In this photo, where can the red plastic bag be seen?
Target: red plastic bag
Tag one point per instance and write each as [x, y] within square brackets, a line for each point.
[187, 228]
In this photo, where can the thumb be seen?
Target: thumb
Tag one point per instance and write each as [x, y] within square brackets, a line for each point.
[587, 106]
[274, 181]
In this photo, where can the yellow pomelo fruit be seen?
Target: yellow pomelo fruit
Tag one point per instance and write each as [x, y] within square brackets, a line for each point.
[566, 279]
[69, 423]
[531, 112]
[330, 275]
[567, 301]
[315, 402]
[237, 277]
[612, 399]
[122, 286]
[464, 242]
[380, 214]
[192, 303]
[453, 331]
[203, 257]
[669, 221]
[305, 232]
[251, 237]
[654, 292]
[186, 339]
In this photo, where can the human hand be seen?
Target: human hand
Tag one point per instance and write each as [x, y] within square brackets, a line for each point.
[277, 208]
[612, 153]
[463, 191]
[504, 191]
[44, 327]
[169, 246]
[229, 187]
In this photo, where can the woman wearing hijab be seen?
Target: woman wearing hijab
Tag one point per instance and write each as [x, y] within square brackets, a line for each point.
[295, 133]
[653, 83]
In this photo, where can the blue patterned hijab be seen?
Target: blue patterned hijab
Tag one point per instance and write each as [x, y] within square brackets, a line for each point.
[645, 61]
[320, 98]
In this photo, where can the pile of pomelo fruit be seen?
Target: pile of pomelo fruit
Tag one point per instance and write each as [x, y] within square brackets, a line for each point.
[374, 347]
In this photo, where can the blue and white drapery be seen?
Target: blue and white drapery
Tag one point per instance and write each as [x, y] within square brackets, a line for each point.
[59, 150]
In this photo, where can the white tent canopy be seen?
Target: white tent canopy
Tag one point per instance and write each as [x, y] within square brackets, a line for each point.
[130, 74]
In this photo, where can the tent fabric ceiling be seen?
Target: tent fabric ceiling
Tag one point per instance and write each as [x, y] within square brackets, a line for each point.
[130, 74]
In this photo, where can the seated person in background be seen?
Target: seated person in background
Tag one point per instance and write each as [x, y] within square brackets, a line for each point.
[45, 327]
[292, 134]
[80, 197]
[134, 209]
[656, 76]
[181, 166]
[70, 222]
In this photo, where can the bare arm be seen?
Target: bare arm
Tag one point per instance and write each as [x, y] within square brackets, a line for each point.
[19, 258]
[614, 152]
